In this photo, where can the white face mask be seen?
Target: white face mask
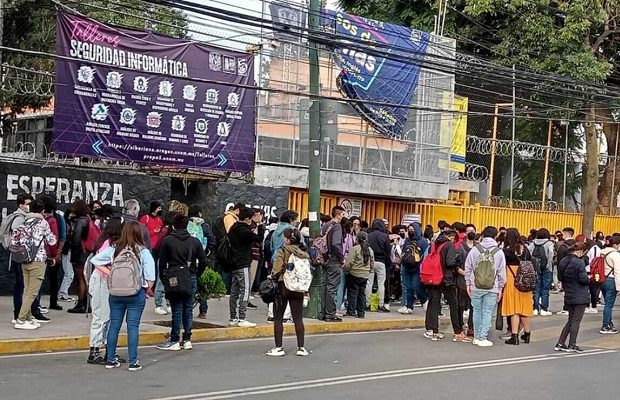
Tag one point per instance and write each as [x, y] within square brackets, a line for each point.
[25, 207]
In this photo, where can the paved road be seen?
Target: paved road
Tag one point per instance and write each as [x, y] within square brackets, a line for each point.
[398, 364]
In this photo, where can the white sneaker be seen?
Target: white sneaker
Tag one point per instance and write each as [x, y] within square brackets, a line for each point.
[535, 312]
[425, 306]
[403, 310]
[160, 311]
[246, 324]
[44, 310]
[563, 312]
[13, 321]
[275, 352]
[484, 343]
[187, 345]
[428, 334]
[233, 322]
[466, 314]
[545, 313]
[591, 310]
[387, 306]
[26, 325]
[475, 342]
[169, 310]
[301, 352]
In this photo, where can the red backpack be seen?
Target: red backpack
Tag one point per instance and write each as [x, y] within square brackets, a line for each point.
[92, 235]
[431, 271]
[597, 270]
[52, 251]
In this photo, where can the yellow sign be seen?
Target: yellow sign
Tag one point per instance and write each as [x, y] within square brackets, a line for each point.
[456, 140]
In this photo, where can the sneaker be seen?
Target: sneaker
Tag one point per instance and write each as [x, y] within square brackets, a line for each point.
[34, 321]
[44, 310]
[484, 343]
[288, 322]
[545, 313]
[535, 313]
[384, 308]
[26, 325]
[41, 319]
[505, 336]
[591, 310]
[269, 319]
[202, 315]
[169, 310]
[302, 352]
[13, 321]
[172, 346]
[402, 310]
[575, 349]
[275, 352]
[120, 360]
[246, 324]
[96, 359]
[233, 322]
[160, 311]
[66, 298]
[252, 306]
[186, 345]
[387, 306]
[608, 330]
[560, 347]
[461, 337]
[112, 364]
[428, 334]
[475, 342]
[56, 307]
[436, 337]
[135, 366]
[563, 312]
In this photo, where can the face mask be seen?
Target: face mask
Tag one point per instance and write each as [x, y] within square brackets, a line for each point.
[411, 235]
[402, 235]
[26, 208]
[160, 212]
[471, 236]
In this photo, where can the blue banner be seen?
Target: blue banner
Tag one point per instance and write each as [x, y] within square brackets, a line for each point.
[386, 81]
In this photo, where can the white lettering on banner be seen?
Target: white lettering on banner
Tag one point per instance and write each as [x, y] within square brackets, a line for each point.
[270, 211]
[66, 191]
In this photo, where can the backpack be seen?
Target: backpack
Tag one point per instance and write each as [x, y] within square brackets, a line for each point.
[195, 230]
[267, 250]
[484, 274]
[52, 251]
[6, 233]
[395, 255]
[525, 278]
[25, 250]
[298, 274]
[125, 274]
[319, 251]
[539, 257]
[412, 255]
[224, 252]
[431, 271]
[597, 270]
[89, 243]
[219, 229]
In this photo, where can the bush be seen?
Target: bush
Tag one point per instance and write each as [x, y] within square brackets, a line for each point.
[210, 285]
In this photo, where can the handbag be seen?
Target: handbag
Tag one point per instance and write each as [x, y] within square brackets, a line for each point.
[268, 290]
[178, 280]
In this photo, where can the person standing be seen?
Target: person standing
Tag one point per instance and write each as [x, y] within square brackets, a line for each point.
[463, 299]
[331, 270]
[180, 250]
[258, 228]
[127, 307]
[67, 280]
[59, 228]
[542, 250]
[35, 231]
[360, 262]
[485, 274]
[79, 233]
[410, 268]
[593, 287]
[611, 285]
[200, 229]
[379, 242]
[241, 240]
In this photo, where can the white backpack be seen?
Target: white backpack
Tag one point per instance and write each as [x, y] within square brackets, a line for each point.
[299, 278]
[125, 274]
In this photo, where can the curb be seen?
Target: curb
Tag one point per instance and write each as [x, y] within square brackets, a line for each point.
[67, 343]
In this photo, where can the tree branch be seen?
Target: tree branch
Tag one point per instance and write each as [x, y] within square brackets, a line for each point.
[599, 41]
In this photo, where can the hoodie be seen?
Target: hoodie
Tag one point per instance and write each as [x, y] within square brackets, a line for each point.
[175, 252]
[449, 259]
[241, 240]
[277, 238]
[612, 264]
[420, 241]
[379, 242]
[486, 243]
[355, 263]
[279, 265]
[549, 250]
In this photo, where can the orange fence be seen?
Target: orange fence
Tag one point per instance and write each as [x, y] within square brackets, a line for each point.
[481, 216]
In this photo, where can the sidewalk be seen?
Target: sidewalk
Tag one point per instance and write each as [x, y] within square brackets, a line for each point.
[70, 331]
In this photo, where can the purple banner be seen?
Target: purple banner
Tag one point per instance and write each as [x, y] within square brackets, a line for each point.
[136, 96]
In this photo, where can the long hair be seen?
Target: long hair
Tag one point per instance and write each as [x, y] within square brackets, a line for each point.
[131, 236]
[111, 232]
[362, 240]
[80, 208]
[294, 236]
[513, 240]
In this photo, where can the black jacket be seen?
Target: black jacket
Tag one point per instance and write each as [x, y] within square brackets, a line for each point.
[241, 240]
[563, 250]
[450, 259]
[379, 242]
[175, 251]
[572, 274]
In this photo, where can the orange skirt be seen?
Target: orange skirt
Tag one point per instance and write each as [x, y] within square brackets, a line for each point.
[515, 302]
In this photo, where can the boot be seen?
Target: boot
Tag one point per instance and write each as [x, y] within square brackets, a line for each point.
[79, 308]
[526, 337]
[514, 339]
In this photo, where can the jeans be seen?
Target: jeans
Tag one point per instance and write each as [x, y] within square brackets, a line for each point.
[433, 309]
[132, 306]
[34, 273]
[182, 312]
[18, 292]
[331, 277]
[407, 279]
[159, 293]
[239, 293]
[356, 295]
[541, 291]
[419, 288]
[379, 271]
[483, 303]
[100, 304]
[575, 315]
[340, 294]
[608, 288]
[67, 268]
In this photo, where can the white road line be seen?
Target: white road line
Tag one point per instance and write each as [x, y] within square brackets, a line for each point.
[267, 389]
[261, 339]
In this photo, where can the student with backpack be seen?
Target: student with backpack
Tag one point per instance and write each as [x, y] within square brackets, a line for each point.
[463, 299]
[610, 257]
[360, 261]
[379, 241]
[82, 230]
[28, 247]
[542, 251]
[334, 234]
[414, 248]
[574, 278]
[521, 278]
[593, 287]
[291, 256]
[132, 274]
[99, 293]
[485, 275]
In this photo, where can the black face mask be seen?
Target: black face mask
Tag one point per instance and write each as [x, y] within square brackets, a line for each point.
[471, 236]
[160, 212]
[402, 235]
[411, 235]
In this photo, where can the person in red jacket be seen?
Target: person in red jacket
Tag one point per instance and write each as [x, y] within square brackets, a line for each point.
[154, 223]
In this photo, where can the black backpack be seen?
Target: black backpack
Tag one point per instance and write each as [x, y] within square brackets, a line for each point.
[267, 250]
[539, 257]
[412, 255]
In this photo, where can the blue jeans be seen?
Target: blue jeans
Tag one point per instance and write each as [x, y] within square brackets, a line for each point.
[18, 292]
[541, 291]
[182, 312]
[484, 304]
[159, 293]
[608, 288]
[340, 293]
[420, 290]
[408, 292]
[203, 307]
[132, 306]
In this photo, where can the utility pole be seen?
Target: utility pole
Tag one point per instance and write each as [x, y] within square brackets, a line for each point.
[314, 164]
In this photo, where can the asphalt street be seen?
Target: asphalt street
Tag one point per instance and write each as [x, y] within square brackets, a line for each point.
[397, 364]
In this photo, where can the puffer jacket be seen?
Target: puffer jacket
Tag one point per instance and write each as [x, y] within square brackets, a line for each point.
[572, 273]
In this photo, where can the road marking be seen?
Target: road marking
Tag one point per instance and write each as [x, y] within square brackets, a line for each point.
[340, 380]
[58, 353]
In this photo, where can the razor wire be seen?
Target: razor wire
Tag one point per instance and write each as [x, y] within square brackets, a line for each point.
[27, 81]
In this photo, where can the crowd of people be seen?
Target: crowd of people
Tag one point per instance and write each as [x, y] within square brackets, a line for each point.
[116, 262]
